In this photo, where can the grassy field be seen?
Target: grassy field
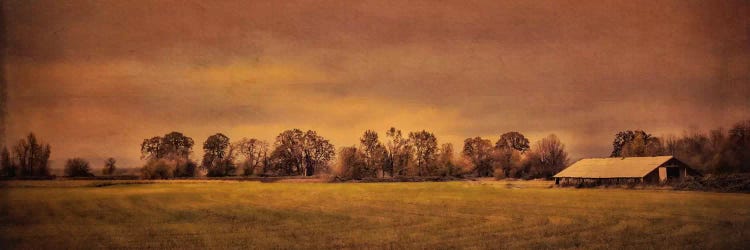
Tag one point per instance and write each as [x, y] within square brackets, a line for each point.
[214, 214]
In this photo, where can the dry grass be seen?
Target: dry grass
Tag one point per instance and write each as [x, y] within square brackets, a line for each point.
[485, 214]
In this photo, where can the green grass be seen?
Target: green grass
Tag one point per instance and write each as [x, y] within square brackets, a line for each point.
[367, 215]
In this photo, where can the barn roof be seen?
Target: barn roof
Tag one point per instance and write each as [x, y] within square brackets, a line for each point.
[630, 167]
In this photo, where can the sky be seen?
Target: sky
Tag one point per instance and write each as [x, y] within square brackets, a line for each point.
[95, 78]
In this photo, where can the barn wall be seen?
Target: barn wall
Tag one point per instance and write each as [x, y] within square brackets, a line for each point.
[655, 176]
[673, 163]
[567, 181]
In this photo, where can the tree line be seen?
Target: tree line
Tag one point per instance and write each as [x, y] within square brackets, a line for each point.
[306, 153]
[294, 152]
[716, 151]
[28, 158]
[418, 154]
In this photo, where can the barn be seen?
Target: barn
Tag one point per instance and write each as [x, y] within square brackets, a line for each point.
[627, 170]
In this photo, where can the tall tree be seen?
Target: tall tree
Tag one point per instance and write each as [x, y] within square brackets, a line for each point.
[374, 153]
[642, 145]
[513, 141]
[479, 153]
[636, 143]
[287, 156]
[318, 152]
[6, 164]
[425, 151]
[696, 150]
[445, 161]
[170, 152]
[151, 148]
[301, 153]
[178, 144]
[509, 144]
[621, 138]
[738, 148]
[174, 144]
[32, 156]
[399, 153]
[718, 152]
[217, 157]
[351, 163]
[510, 163]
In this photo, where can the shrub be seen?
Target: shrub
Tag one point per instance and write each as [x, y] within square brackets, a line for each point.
[220, 168]
[718, 182]
[185, 169]
[167, 168]
[158, 169]
[78, 167]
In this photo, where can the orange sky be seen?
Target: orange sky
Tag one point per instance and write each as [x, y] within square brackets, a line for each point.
[94, 78]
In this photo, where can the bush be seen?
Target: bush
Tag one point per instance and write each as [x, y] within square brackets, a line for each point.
[719, 183]
[167, 168]
[185, 168]
[450, 170]
[158, 169]
[221, 168]
[78, 167]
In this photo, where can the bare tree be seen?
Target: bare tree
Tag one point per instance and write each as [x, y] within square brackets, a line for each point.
[254, 153]
[32, 156]
[719, 151]
[548, 157]
[109, 166]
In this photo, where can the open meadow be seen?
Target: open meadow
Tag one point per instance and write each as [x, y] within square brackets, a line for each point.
[466, 214]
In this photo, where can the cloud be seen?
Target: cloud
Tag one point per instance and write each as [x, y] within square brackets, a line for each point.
[95, 78]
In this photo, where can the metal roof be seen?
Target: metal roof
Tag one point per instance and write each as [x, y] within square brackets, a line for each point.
[629, 167]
